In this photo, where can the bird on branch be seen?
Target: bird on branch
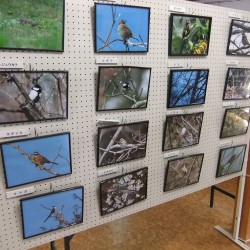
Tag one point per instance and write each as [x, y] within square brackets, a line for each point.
[53, 210]
[245, 41]
[186, 29]
[34, 94]
[40, 159]
[124, 31]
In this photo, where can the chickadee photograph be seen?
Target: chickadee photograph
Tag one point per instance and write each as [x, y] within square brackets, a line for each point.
[32, 24]
[182, 131]
[189, 35]
[121, 28]
[35, 159]
[237, 84]
[235, 122]
[231, 160]
[183, 171]
[122, 191]
[119, 143]
[123, 88]
[27, 96]
[52, 211]
[239, 38]
[187, 87]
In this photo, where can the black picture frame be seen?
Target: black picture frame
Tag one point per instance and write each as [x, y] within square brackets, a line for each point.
[122, 191]
[65, 210]
[200, 37]
[29, 96]
[182, 131]
[32, 160]
[42, 22]
[182, 172]
[127, 142]
[238, 39]
[231, 157]
[189, 90]
[133, 25]
[122, 88]
[237, 84]
[233, 124]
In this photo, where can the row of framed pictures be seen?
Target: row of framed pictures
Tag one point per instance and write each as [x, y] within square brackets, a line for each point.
[189, 35]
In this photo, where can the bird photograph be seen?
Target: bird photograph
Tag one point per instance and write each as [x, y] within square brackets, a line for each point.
[121, 28]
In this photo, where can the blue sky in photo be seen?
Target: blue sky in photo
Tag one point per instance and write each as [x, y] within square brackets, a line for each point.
[180, 96]
[34, 214]
[137, 21]
[20, 170]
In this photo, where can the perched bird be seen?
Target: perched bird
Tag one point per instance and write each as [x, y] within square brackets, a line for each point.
[245, 41]
[124, 31]
[53, 210]
[40, 159]
[186, 29]
[126, 86]
[34, 94]
[24, 20]
[122, 141]
[231, 160]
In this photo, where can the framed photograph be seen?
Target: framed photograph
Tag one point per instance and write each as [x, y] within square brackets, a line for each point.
[237, 84]
[231, 160]
[123, 88]
[121, 143]
[183, 171]
[239, 38]
[52, 211]
[122, 191]
[121, 28]
[182, 131]
[235, 122]
[32, 25]
[189, 35]
[28, 96]
[187, 87]
[35, 159]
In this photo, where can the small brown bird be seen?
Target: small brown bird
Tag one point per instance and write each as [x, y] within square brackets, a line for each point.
[24, 20]
[124, 31]
[40, 159]
[245, 41]
[186, 29]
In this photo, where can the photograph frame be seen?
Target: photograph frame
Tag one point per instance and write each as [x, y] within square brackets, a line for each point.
[28, 21]
[122, 93]
[229, 38]
[171, 19]
[34, 109]
[180, 115]
[224, 120]
[220, 159]
[226, 85]
[39, 168]
[97, 50]
[117, 136]
[63, 191]
[119, 177]
[170, 87]
[181, 158]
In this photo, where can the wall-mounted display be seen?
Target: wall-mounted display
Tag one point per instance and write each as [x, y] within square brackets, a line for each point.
[237, 84]
[182, 131]
[239, 38]
[52, 211]
[187, 87]
[122, 191]
[231, 160]
[121, 143]
[183, 171]
[32, 25]
[27, 96]
[35, 159]
[189, 35]
[123, 88]
[235, 122]
[121, 28]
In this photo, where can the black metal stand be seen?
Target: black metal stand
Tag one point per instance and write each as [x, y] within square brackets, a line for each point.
[67, 240]
[220, 190]
[52, 245]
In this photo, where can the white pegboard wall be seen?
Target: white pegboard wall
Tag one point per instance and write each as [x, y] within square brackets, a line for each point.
[79, 59]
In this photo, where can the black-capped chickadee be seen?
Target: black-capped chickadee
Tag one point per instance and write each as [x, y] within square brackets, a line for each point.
[34, 94]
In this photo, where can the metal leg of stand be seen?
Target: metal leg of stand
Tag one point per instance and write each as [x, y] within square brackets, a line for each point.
[220, 190]
[212, 196]
[67, 240]
[52, 245]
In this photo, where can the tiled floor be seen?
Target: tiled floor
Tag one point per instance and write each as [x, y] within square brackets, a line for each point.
[183, 224]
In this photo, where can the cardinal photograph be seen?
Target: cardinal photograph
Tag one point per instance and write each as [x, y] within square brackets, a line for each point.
[27, 96]
[35, 159]
[239, 38]
[120, 28]
[52, 211]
